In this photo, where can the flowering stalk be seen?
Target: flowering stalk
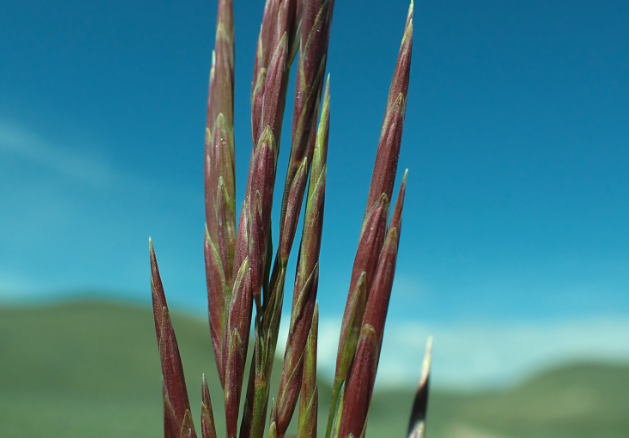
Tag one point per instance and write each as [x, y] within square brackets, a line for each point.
[267, 327]
[177, 417]
[253, 238]
[267, 114]
[372, 235]
[315, 18]
[220, 236]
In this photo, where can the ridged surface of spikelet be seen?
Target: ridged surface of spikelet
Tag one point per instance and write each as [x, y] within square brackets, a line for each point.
[220, 189]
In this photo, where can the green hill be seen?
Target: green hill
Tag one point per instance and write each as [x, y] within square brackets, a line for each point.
[92, 369]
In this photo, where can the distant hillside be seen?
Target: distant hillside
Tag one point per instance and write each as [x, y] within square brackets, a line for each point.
[92, 369]
[578, 401]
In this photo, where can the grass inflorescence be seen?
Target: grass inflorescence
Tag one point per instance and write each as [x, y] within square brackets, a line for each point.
[244, 273]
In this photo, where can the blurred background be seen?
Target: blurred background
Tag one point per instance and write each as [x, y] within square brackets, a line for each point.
[514, 252]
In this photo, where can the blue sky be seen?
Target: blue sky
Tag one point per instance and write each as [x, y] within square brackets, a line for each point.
[516, 140]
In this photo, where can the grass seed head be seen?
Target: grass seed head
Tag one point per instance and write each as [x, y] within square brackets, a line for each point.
[253, 237]
[238, 261]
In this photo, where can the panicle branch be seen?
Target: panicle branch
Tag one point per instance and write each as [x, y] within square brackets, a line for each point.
[271, 70]
[314, 18]
[306, 278]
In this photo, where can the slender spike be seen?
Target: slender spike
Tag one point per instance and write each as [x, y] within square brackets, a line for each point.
[266, 333]
[385, 167]
[306, 279]
[370, 242]
[372, 236]
[268, 101]
[220, 188]
[176, 403]
[267, 329]
[315, 30]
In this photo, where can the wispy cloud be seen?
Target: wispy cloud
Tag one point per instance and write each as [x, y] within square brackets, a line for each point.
[22, 142]
[12, 285]
[480, 354]
[73, 220]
